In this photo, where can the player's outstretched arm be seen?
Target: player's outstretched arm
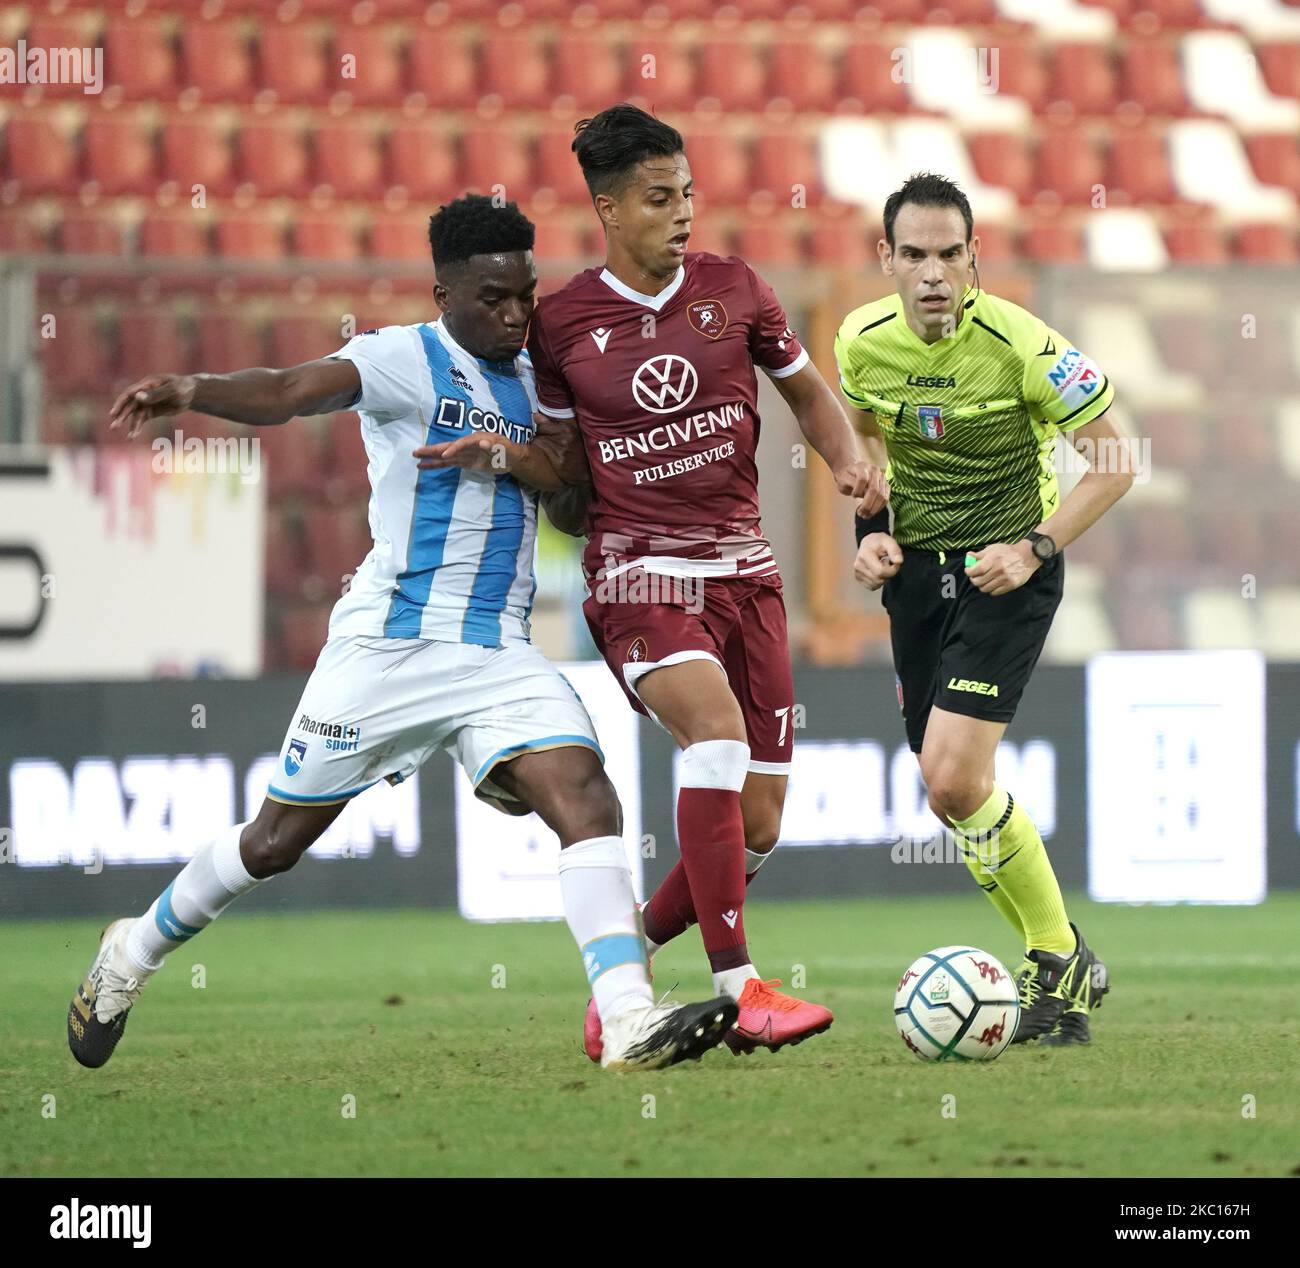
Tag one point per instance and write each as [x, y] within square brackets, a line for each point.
[821, 419]
[259, 397]
[551, 461]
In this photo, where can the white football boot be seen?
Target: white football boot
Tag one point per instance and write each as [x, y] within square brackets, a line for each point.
[664, 1034]
[98, 1012]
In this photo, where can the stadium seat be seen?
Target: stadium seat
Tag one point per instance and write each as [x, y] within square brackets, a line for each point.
[1003, 158]
[922, 144]
[77, 358]
[1066, 19]
[1177, 441]
[1173, 15]
[400, 235]
[784, 162]
[1196, 242]
[1138, 172]
[1223, 78]
[951, 76]
[1270, 243]
[39, 157]
[516, 70]
[291, 64]
[296, 338]
[422, 163]
[493, 156]
[772, 241]
[227, 341]
[442, 69]
[272, 157]
[1118, 337]
[1151, 77]
[196, 151]
[324, 235]
[1081, 627]
[1022, 71]
[21, 233]
[720, 163]
[347, 462]
[802, 76]
[138, 59]
[1053, 240]
[558, 170]
[216, 61]
[1124, 240]
[587, 71]
[1279, 621]
[1280, 64]
[348, 163]
[337, 541]
[559, 239]
[1068, 166]
[62, 30]
[660, 72]
[1162, 537]
[1232, 537]
[251, 235]
[1275, 159]
[91, 231]
[366, 64]
[179, 232]
[731, 76]
[1083, 76]
[1216, 617]
[152, 341]
[119, 155]
[842, 240]
[1147, 622]
[867, 84]
[1288, 437]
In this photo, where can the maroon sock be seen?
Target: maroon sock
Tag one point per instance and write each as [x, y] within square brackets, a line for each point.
[711, 836]
[670, 912]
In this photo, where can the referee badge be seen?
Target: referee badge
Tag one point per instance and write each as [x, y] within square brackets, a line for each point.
[931, 420]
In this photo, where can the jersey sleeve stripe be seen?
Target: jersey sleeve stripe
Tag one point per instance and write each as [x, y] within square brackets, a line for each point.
[551, 412]
[1064, 423]
[793, 368]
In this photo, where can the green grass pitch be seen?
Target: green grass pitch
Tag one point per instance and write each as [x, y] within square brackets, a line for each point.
[455, 1075]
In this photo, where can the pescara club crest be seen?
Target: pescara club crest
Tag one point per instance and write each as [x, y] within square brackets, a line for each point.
[708, 317]
[295, 757]
[931, 417]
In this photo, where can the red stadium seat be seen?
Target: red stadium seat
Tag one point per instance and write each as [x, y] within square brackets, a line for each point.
[1177, 440]
[712, 234]
[273, 157]
[119, 155]
[1084, 76]
[39, 158]
[784, 163]
[720, 166]
[1280, 64]
[1276, 159]
[216, 61]
[774, 241]
[1233, 536]
[841, 239]
[179, 232]
[1147, 622]
[138, 59]
[228, 341]
[588, 70]
[327, 235]
[251, 235]
[196, 151]
[152, 341]
[1196, 242]
[496, 156]
[291, 459]
[1139, 168]
[516, 69]
[291, 63]
[559, 239]
[1162, 536]
[997, 243]
[802, 76]
[91, 231]
[298, 338]
[1268, 243]
[348, 160]
[962, 13]
[901, 10]
[867, 83]
[367, 65]
[732, 75]
[20, 233]
[558, 170]
[399, 236]
[442, 68]
[77, 357]
[1054, 240]
[1068, 166]
[422, 161]
[61, 31]
[1003, 158]
[1173, 15]
[1022, 71]
[347, 463]
[338, 539]
[660, 71]
[1151, 76]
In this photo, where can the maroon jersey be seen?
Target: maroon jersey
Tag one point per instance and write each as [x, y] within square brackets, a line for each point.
[664, 391]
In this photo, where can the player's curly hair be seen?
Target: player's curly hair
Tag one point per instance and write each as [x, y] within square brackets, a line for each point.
[927, 189]
[476, 225]
[610, 144]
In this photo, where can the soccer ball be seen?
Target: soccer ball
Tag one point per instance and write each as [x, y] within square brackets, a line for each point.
[956, 1002]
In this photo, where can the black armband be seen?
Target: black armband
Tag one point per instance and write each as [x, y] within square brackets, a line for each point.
[878, 523]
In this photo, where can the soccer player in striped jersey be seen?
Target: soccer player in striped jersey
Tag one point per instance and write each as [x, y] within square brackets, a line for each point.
[961, 395]
[429, 648]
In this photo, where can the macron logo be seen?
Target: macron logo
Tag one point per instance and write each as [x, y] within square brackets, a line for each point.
[731, 917]
[98, 1222]
[601, 336]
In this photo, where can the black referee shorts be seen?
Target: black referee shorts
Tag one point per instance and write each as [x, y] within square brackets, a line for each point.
[968, 652]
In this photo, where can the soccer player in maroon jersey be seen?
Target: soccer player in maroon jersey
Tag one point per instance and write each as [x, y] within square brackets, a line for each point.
[654, 357]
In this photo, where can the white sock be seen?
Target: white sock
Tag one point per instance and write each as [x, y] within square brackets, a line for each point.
[600, 907]
[202, 890]
[754, 860]
[732, 981]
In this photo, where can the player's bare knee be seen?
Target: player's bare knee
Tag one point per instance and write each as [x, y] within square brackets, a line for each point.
[267, 849]
[762, 832]
[592, 806]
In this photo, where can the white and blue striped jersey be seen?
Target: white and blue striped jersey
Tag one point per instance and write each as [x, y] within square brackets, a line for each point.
[453, 549]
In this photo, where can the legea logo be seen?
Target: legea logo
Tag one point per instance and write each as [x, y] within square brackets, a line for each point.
[665, 384]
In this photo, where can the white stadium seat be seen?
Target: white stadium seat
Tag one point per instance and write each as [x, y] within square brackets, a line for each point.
[1222, 77]
[1210, 166]
[1219, 616]
[1125, 240]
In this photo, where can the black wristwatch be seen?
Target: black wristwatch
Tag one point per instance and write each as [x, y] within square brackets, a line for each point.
[1042, 545]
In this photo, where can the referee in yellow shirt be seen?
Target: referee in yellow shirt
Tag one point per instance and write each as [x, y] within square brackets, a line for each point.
[959, 396]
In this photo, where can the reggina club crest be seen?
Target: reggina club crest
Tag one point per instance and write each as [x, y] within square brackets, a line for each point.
[708, 317]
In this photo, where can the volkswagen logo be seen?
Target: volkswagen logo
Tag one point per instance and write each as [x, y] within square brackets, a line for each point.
[665, 384]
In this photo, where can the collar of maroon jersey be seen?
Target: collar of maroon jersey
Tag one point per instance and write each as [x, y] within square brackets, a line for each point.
[650, 301]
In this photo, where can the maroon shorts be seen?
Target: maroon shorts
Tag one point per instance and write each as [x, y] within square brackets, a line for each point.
[739, 622]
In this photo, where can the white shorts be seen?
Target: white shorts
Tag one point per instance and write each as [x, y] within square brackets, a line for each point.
[377, 708]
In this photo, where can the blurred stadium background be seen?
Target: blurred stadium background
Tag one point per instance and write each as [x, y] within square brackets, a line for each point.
[252, 185]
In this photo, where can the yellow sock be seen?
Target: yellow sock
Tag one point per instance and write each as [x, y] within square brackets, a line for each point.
[997, 896]
[1009, 849]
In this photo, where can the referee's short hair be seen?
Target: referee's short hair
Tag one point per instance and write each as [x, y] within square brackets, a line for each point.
[926, 189]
